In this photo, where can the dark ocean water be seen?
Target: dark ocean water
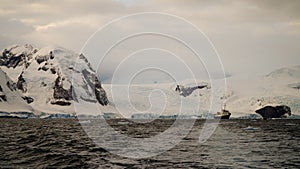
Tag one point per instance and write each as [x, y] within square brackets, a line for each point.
[38, 143]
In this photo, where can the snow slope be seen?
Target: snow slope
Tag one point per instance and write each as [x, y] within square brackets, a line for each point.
[10, 100]
[158, 99]
[242, 97]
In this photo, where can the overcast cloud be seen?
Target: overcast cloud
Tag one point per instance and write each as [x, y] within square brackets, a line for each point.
[252, 37]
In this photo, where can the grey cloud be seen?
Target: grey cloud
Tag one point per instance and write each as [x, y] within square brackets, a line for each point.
[244, 32]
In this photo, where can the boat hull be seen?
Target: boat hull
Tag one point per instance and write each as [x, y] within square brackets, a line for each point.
[222, 117]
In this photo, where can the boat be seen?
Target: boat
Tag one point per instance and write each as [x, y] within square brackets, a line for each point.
[224, 114]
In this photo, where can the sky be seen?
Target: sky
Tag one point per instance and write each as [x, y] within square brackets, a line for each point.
[251, 36]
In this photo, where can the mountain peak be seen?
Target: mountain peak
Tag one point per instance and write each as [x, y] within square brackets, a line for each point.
[17, 55]
[293, 72]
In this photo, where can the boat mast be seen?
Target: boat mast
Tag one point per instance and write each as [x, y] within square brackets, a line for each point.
[224, 106]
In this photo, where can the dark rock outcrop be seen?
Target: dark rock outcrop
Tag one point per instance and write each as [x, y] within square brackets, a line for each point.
[94, 83]
[60, 92]
[28, 99]
[51, 55]
[45, 67]
[21, 83]
[2, 95]
[186, 91]
[10, 59]
[41, 59]
[295, 86]
[269, 112]
[53, 70]
[81, 56]
[11, 85]
[61, 102]
[100, 93]
[62, 96]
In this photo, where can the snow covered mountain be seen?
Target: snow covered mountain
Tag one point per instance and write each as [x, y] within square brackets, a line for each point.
[40, 82]
[44, 78]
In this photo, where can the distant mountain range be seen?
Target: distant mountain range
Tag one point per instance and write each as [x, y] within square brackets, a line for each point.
[243, 96]
[40, 82]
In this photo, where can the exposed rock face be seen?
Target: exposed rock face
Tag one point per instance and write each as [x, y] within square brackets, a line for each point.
[186, 91]
[101, 95]
[41, 59]
[81, 56]
[11, 85]
[12, 57]
[295, 86]
[61, 102]
[2, 95]
[269, 112]
[10, 60]
[28, 99]
[21, 84]
[62, 96]
[94, 83]
[60, 92]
